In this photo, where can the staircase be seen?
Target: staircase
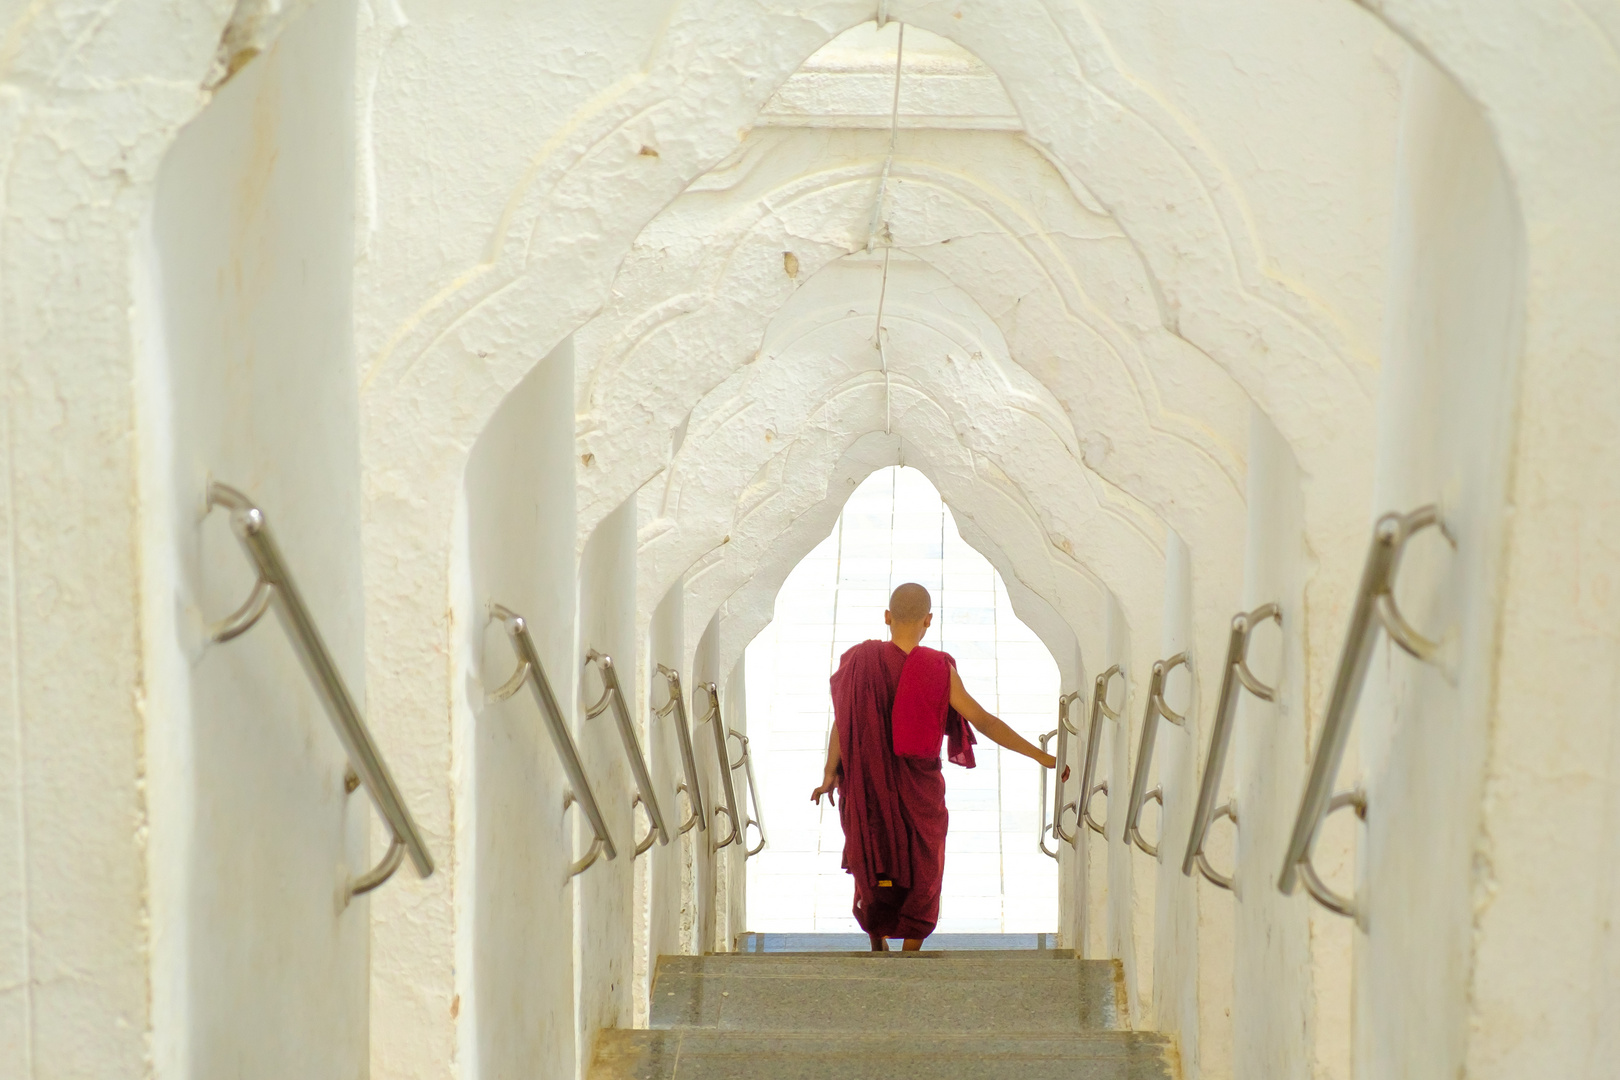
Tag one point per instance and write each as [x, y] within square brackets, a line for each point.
[955, 1014]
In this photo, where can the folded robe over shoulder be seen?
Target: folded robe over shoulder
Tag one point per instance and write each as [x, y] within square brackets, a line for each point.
[892, 805]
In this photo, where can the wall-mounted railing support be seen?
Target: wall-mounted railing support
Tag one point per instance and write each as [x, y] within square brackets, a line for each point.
[613, 697]
[532, 673]
[754, 817]
[1375, 606]
[1099, 709]
[1236, 675]
[1144, 754]
[723, 760]
[1040, 799]
[275, 585]
[683, 734]
[1059, 807]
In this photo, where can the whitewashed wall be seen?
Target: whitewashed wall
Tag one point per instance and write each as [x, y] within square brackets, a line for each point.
[1446, 430]
[260, 963]
[666, 897]
[603, 912]
[515, 935]
[1290, 977]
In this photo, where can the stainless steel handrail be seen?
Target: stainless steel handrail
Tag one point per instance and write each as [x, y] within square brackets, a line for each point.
[1059, 807]
[613, 696]
[532, 673]
[694, 791]
[275, 583]
[1237, 674]
[1099, 709]
[1375, 606]
[1144, 754]
[754, 817]
[1040, 801]
[723, 757]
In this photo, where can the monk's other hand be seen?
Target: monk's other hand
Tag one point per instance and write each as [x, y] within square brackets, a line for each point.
[828, 786]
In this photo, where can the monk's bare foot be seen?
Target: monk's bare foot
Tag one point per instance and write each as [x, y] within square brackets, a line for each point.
[912, 944]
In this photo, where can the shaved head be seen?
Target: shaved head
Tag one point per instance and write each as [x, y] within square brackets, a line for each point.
[910, 603]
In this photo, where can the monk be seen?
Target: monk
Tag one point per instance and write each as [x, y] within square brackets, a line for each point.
[895, 703]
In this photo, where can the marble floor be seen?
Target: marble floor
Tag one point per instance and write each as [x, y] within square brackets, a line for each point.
[895, 529]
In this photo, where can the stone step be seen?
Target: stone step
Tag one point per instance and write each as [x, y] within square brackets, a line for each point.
[774, 941]
[761, 1055]
[885, 993]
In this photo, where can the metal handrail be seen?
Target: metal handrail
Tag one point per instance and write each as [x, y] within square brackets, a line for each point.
[1375, 606]
[1237, 675]
[1040, 802]
[754, 817]
[613, 696]
[694, 791]
[724, 759]
[1144, 754]
[275, 583]
[531, 672]
[1059, 807]
[1099, 709]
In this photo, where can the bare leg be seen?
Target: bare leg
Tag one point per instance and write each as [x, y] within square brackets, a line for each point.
[912, 944]
[879, 943]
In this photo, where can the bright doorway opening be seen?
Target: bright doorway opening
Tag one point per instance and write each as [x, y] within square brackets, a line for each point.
[896, 528]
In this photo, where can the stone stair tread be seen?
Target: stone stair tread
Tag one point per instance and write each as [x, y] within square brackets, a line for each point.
[952, 955]
[774, 941]
[880, 966]
[767, 993]
[777, 1055]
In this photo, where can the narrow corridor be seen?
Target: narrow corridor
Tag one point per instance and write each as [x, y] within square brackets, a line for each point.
[436, 441]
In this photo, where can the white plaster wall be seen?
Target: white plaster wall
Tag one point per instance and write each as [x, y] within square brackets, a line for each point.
[732, 884]
[93, 99]
[1544, 961]
[1185, 942]
[1445, 436]
[1130, 912]
[667, 899]
[710, 867]
[1290, 979]
[515, 974]
[259, 962]
[603, 911]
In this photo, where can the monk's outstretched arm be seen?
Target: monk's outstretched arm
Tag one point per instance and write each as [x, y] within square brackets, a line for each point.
[829, 776]
[993, 727]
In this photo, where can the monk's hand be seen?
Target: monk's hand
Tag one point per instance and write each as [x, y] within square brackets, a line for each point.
[828, 785]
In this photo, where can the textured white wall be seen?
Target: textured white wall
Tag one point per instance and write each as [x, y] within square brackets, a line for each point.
[260, 968]
[667, 896]
[1545, 954]
[1445, 436]
[1290, 977]
[514, 974]
[603, 915]
[94, 97]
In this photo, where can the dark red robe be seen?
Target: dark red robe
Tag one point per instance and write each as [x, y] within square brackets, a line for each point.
[892, 805]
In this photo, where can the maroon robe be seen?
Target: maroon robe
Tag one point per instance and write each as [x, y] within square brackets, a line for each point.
[892, 805]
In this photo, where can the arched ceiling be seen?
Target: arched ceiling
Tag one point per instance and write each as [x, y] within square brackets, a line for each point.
[1080, 284]
[742, 342]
